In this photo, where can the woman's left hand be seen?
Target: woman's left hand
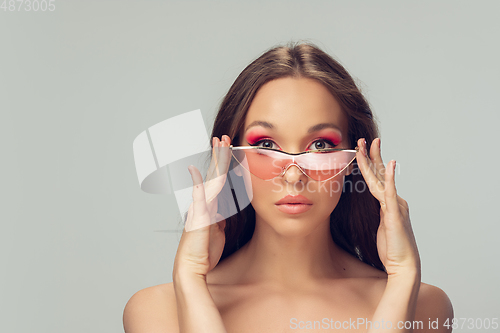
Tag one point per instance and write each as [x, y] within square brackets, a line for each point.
[396, 243]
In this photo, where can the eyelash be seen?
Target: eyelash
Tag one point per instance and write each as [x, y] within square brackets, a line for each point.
[269, 140]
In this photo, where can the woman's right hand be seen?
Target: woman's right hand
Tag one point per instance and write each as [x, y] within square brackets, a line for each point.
[203, 238]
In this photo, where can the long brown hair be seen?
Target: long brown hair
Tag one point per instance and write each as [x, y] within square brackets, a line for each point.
[355, 219]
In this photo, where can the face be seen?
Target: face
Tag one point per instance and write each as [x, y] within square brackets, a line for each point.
[295, 115]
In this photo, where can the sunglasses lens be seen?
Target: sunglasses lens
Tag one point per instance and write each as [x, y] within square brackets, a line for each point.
[323, 166]
[267, 164]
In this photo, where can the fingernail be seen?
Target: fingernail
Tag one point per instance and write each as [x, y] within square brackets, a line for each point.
[189, 169]
[364, 147]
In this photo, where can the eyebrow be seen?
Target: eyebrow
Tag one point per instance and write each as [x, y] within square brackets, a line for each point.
[312, 129]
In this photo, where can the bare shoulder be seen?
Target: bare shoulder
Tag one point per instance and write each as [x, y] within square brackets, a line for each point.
[152, 310]
[434, 306]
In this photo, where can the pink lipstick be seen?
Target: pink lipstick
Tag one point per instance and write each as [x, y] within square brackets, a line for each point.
[294, 204]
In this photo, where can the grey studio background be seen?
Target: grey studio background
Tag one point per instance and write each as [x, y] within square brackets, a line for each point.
[77, 85]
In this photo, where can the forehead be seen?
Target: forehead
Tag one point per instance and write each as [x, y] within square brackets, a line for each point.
[294, 105]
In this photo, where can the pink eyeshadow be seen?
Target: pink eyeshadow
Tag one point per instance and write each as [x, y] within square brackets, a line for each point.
[255, 135]
[333, 136]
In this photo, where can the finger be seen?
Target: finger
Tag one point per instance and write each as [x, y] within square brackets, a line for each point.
[214, 168]
[226, 139]
[198, 195]
[224, 153]
[219, 166]
[370, 159]
[376, 157]
[212, 207]
[189, 219]
[403, 203]
[376, 188]
[225, 156]
[216, 156]
[200, 212]
[220, 159]
[390, 193]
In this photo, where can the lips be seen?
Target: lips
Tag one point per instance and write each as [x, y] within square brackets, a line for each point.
[294, 199]
[294, 204]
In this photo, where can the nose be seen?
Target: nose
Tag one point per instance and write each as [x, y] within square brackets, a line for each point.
[293, 174]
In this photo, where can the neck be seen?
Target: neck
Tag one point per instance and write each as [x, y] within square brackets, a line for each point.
[292, 259]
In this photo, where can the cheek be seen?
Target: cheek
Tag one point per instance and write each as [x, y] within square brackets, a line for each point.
[261, 191]
[326, 193]
[266, 192]
[326, 189]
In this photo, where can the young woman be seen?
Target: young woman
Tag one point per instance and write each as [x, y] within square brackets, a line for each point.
[317, 249]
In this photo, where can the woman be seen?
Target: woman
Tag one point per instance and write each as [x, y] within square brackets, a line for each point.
[303, 255]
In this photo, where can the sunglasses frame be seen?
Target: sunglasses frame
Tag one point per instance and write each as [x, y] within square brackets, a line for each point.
[325, 150]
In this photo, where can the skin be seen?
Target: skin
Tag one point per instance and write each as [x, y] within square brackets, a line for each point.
[291, 268]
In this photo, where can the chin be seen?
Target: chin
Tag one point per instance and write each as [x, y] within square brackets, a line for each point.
[293, 225]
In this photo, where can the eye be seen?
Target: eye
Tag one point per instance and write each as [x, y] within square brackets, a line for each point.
[266, 144]
[322, 144]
